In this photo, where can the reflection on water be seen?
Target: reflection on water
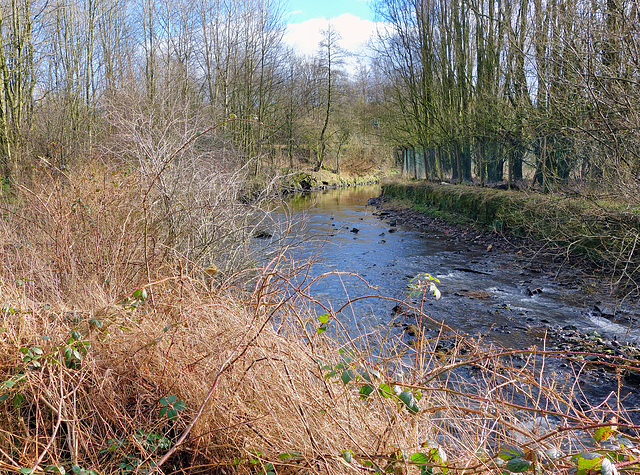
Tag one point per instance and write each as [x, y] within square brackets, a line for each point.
[334, 200]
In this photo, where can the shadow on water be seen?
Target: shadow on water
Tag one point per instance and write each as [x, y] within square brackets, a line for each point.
[501, 297]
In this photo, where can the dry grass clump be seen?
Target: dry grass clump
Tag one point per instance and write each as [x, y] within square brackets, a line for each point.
[77, 239]
[116, 358]
[260, 388]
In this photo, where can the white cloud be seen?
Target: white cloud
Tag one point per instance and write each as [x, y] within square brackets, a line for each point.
[355, 33]
[304, 37]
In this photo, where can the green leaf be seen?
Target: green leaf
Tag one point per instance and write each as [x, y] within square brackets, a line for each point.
[289, 455]
[406, 397]
[347, 455]
[386, 391]
[587, 461]
[347, 376]
[270, 469]
[517, 465]
[56, 468]
[321, 330]
[603, 433]
[624, 442]
[171, 413]
[9, 383]
[171, 399]
[365, 391]
[18, 399]
[96, 322]
[420, 459]
[323, 318]
[163, 411]
[179, 405]
[163, 401]
[438, 456]
[409, 400]
[372, 373]
[4, 397]
[508, 452]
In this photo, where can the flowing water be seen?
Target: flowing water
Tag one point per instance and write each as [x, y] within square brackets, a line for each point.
[498, 295]
[508, 300]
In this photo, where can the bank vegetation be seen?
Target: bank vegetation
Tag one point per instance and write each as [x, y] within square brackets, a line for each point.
[123, 351]
[597, 234]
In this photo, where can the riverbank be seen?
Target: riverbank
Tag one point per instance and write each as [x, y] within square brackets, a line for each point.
[602, 236]
[303, 181]
[118, 356]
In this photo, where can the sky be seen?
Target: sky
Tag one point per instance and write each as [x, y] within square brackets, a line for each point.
[353, 19]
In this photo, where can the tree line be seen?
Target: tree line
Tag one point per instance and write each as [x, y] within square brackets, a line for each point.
[490, 90]
[483, 87]
[87, 78]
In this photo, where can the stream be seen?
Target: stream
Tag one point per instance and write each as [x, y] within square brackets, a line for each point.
[509, 300]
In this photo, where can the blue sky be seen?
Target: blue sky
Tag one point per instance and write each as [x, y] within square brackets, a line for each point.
[353, 19]
[301, 10]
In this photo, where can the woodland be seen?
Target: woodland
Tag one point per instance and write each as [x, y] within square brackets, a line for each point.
[486, 89]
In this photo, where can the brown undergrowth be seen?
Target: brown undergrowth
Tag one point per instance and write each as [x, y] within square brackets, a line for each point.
[117, 358]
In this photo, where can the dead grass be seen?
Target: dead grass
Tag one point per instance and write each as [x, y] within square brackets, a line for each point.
[87, 361]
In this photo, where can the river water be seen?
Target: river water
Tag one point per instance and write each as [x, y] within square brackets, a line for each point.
[507, 300]
[501, 296]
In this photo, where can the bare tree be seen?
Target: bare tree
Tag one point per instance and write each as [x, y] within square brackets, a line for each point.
[331, 57]
[17, 73]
